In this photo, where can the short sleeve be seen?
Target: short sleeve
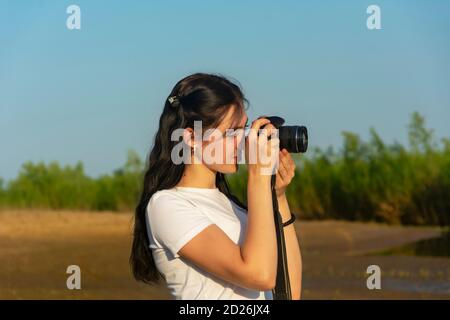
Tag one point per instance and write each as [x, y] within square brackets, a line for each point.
[174, 221]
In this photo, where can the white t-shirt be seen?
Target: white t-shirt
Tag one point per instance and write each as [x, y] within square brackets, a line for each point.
[177, 215]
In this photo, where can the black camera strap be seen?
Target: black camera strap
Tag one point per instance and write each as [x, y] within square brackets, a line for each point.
[282, 290]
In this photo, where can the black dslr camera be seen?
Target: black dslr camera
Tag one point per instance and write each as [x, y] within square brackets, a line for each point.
[293, 138]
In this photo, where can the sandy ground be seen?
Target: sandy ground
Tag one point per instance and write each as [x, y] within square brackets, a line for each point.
[37, 246]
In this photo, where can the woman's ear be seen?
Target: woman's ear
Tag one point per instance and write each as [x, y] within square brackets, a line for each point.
[188, 137]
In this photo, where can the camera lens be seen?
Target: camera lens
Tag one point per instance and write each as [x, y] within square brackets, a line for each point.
[293, 138]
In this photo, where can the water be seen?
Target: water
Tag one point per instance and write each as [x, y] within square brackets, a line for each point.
[422, 286]
[436, 247]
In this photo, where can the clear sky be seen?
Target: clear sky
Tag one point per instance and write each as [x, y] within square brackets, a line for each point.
[94, 93]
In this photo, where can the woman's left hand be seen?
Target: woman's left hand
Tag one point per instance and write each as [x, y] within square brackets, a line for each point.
[285, 172]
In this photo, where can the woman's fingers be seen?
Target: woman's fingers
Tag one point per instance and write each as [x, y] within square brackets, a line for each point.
[258, 123]
[269, 148]
[290, 160]
[287, 164]
[282, 170]
[266, 132]
[261, 136]
[252, 140]
[286, 170]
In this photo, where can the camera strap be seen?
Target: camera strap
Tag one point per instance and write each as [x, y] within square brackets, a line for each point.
[282, 290]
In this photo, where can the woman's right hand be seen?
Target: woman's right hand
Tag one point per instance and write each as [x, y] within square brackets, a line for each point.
[260, 152]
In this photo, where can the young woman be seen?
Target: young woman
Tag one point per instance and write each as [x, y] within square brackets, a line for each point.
[189, 229]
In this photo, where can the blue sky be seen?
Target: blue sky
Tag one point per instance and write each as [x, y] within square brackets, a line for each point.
[92, 94]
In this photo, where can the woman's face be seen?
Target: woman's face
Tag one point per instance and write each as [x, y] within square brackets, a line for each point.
[220, 151]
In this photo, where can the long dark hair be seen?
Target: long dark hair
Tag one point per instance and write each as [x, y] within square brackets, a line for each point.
[205, 97]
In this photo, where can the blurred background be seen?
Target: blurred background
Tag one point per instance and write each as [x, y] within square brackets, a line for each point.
[79, 108]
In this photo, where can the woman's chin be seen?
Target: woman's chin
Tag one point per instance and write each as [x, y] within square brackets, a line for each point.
[229, 168]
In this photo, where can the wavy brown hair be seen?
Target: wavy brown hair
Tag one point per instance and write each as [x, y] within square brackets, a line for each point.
[205, 97]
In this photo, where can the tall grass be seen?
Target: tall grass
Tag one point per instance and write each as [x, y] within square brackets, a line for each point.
[368, 181]
[55, 187]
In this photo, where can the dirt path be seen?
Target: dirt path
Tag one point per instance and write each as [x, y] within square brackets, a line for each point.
[37, 246]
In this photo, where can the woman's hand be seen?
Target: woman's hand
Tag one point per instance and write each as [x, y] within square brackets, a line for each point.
[285, 172]
[261, 152]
